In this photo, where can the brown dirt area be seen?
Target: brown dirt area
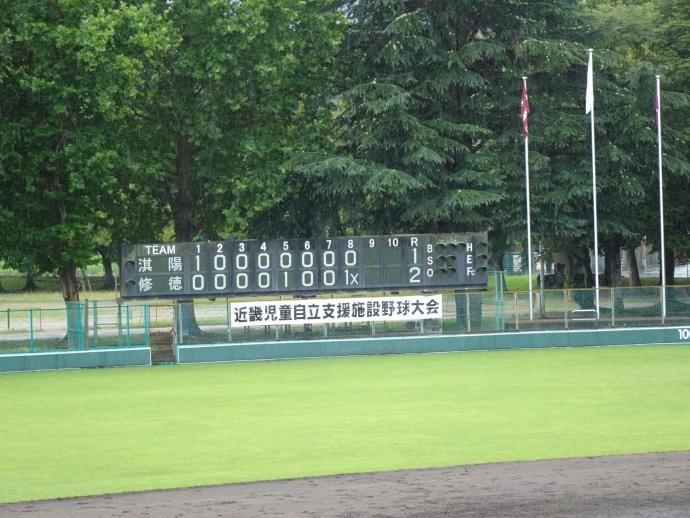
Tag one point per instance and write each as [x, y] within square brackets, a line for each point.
[650, 485]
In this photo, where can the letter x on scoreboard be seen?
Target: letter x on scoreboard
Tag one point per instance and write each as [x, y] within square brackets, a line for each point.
[304, 266]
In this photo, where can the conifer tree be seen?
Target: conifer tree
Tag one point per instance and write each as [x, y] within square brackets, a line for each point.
[409, 143]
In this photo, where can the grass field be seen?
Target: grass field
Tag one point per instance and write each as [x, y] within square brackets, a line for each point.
[70, 433]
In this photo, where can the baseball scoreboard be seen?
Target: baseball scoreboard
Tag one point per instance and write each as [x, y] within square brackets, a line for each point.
[304, 266]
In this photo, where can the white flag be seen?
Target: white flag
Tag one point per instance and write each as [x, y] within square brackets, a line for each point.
[589, 95]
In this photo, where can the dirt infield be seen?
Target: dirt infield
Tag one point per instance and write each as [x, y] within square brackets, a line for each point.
[622, 486]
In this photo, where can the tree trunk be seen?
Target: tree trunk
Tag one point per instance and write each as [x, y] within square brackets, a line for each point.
[183, 218]
[183, 201]
[634, 278]
[68, 280]
[497, 260]
[30, 284]
[589, 276]
[109, 278]
[612, 271]
[569, 272]
[498, 251]
[607, 279]
[670, 268]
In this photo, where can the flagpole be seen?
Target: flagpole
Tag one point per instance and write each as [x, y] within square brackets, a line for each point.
[542, 273]
[529, 224]
[661, 200]
[590, 85]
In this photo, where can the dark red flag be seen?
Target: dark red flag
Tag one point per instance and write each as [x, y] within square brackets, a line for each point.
[657, 108]
[524, 109]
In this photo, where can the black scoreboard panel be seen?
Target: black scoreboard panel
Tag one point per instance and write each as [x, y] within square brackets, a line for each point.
[253, 266]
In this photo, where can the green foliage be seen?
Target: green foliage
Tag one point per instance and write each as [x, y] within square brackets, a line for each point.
[117, 116]
[627, 28]
[673, 39]
[412, 119]
[62, 165]
[636, 30]
[142, 120]
[233, 98]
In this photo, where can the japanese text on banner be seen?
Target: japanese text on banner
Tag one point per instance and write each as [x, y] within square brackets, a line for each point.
[332, 311]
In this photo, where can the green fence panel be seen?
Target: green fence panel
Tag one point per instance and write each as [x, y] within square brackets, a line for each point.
[98, 324]
[78, 326]
[75, 325]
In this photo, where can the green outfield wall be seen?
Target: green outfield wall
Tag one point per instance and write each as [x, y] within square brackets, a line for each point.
[115, 357]
[212, 353]
[316, 348]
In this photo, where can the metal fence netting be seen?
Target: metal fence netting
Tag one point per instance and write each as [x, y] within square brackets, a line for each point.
[162, 326]
[463, 313]
[78, 326]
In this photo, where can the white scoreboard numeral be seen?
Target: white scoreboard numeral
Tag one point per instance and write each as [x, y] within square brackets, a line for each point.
[263, 260]
[329, 277]
[286, 260]
[242, 281]
[415, 273]
[307, 275]
[329, 258]
[218, 262]
[264, 280]
[350, 258]
[197, 282]
[310, 263]
[220, 281]
[241, 261]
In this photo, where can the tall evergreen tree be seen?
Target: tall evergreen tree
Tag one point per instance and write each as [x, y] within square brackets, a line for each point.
[411, 132]
[427, 135]
[541, 43]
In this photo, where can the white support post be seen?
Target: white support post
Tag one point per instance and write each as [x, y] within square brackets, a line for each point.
[661, 201]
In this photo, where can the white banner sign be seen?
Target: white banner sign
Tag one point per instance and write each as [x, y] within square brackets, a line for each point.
[332, 311]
